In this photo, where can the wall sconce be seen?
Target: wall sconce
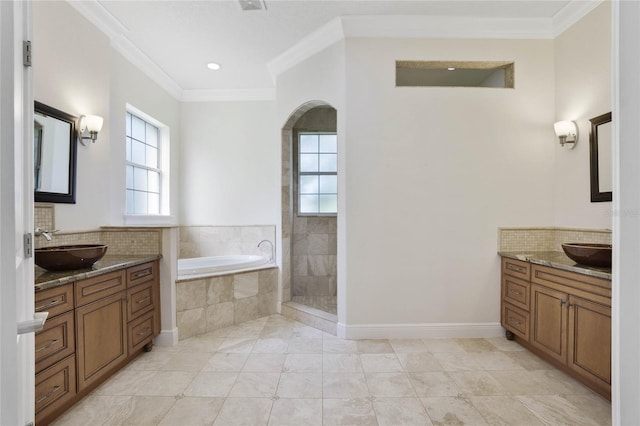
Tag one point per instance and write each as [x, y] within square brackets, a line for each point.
[91, 124]
[567, 133]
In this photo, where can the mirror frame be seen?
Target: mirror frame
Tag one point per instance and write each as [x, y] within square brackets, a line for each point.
[596, 194]
[61, 197]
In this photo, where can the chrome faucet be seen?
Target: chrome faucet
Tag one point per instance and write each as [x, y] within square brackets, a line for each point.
[39, 232]
[271, 259]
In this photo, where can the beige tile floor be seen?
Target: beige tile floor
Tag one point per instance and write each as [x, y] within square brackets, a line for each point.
[280, 372]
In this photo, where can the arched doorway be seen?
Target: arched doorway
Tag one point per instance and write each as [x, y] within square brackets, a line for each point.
[309, 217]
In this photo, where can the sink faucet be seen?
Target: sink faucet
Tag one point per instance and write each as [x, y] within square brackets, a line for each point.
[39, 232]
[271, 244]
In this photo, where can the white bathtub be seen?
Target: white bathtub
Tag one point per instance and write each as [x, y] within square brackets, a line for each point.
[198, 267]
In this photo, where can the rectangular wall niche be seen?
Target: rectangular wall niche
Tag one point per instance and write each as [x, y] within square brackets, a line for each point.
[454, 74]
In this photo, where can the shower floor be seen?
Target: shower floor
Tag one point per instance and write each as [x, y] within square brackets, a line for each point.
[323, 303]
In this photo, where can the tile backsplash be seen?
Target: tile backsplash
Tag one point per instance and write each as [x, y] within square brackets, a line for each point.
[130, 241]
[548, 238]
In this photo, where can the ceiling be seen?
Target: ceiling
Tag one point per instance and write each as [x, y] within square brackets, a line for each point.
[172, 41]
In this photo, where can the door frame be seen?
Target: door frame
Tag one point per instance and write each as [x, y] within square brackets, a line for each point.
[16, 216]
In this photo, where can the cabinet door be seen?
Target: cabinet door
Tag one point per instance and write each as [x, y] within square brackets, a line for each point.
[549, 321]
[101, 337]
[590, 340]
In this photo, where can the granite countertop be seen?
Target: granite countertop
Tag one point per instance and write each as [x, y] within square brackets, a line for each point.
[47, 279]
[557, 259]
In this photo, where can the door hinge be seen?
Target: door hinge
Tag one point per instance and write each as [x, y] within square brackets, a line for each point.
[26, 53]
[28, 245]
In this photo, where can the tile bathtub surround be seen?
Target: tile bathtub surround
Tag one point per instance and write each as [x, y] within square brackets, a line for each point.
[547, 238]
[277, 371]
[208, 304]
[201, 241]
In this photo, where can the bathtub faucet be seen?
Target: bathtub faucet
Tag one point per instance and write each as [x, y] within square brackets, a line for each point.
[271, 259]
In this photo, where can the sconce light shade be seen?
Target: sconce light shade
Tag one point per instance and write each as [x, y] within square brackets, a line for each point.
[567, 133]
[91, 124]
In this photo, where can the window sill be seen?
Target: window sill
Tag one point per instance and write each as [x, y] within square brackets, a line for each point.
[150, 220]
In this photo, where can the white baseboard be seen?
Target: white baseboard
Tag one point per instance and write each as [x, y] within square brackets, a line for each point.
[167, 338]
[419, 331]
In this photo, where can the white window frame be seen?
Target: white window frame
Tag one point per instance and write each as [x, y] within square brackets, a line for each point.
[164, 217]
[318, 173]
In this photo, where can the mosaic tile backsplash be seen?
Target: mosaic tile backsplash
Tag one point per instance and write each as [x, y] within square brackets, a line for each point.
[547, 238]
[128, 241]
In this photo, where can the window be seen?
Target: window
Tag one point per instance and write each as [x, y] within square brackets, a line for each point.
[144, 179]
[317, 174]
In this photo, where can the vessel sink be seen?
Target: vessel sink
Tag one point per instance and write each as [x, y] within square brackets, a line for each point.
[68, 257]
[589, 253]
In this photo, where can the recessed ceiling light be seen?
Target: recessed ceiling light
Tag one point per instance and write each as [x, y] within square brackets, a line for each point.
[451, 69]
[213, 66]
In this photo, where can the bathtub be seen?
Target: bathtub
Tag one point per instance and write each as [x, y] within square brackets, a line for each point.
[198, 267]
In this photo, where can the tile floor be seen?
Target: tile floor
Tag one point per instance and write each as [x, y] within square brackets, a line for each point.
[280, 372]
[323, 303]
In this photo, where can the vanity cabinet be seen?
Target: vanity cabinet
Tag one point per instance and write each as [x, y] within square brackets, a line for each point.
[565, 317]
[55, 364]
[95, 326]
[101, 318]
[515, 304]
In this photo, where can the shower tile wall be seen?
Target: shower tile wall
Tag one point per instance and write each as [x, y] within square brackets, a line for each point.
[314, 237]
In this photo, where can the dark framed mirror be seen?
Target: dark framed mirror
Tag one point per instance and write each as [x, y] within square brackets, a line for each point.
[54, 155]
[600, 144]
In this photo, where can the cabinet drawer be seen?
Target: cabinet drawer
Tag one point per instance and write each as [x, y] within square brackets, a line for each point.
[516, 268]
[515, 320]
[516, 292]
[95, 288]
[55, 386]
[55, 300]
[55, 341]
[141, 299]
[141, 332]
[142, 274]
[594, 289]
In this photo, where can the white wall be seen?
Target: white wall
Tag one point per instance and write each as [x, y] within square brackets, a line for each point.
[432, 172]
[71, 73]
[77, 71]
[582, 91]
[130, 86]
[230, 168]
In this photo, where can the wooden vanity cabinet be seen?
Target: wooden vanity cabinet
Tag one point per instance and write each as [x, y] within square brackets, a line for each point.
[101, 326]
[95, 327]
[55, 365]
[515, 300]
[569, 316]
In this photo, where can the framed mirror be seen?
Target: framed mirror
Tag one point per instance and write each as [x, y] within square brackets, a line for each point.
[54, 155]
[600, 144]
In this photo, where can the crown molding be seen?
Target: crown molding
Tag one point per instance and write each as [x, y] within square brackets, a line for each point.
[339, 28]
[95, 13]
[424, 26]
[308, 46]
[134, 55]
[216, 95]
[572, 13]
